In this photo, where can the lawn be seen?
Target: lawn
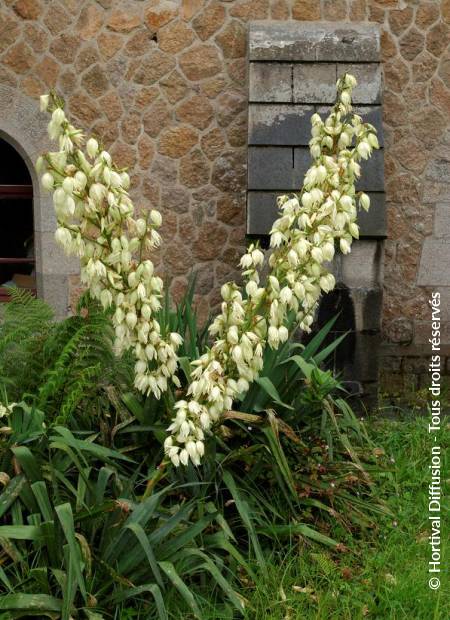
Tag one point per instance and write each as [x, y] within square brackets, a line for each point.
[383, 575]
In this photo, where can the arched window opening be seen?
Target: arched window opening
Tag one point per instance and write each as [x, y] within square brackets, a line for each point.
[17, 259]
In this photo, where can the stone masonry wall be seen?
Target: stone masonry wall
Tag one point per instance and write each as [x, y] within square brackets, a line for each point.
[165, 85]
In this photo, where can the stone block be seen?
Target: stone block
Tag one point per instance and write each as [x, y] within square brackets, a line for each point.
[314, 41]
[54, 289]
[368, 76]
[415, 365]
[314, 83]
[43, 209]
[282, 124]
[270, 82]
[270, 168]
[365, 364]
[434, 267]
[372, 173]
[372, 223]
[363, 267]
[302, 161]
[367, 304]
[442, 220]
[50, 258]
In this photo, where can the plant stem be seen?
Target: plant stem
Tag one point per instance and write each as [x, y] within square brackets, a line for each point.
[157, 476]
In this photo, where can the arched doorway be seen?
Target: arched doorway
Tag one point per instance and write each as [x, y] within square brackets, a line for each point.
[17, 253]
[24, 128]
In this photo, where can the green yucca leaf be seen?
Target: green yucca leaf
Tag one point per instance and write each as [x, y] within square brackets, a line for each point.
[28, 463]
[30, 602]
[21, 532]
[134, 593]
[11, 493]
[219, 541]
[245, 515]
[4, 579]
[182, 588]
[40, 492]
[289, 531]
[305, 367]
[146, 547]
[280, 458]
[81, 446]
[171, 547]
[212, 569]
[324, 353]
[314, 344]
[272, 392]
[65, 516]
[70, 584]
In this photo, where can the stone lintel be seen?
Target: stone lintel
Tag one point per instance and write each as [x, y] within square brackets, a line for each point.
[314, 41]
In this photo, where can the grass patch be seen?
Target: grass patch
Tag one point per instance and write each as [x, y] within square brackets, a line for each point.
[383, 575]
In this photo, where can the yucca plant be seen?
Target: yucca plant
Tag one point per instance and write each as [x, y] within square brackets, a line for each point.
[77, 541]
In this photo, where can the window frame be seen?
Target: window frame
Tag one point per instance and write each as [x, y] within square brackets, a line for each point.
[15, 192]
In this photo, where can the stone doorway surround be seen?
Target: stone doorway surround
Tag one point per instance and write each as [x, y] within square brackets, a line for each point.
[25, 128]
[293, 67]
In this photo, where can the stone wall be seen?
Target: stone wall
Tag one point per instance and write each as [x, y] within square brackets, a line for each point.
[165, 85]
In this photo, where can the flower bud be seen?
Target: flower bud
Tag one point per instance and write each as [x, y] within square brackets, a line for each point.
[344, 140]
[47, 181]
[44, 100]
[315, 151]
[63, 237]
[363, 149]
[283, 333]
[155, 218]
[92, 147]
[97, 191]
[59, 197]
[226, 292]
[146, 312]
[131, 319]
[307, 200]
[125, 179]
[233, 335]
[58, 116]
[106, 298]
[353, 229]
[344, 245]
[364, 201]
[67, 185]
[317, 255]
[373, 141]
[286, 295]
[345, 97]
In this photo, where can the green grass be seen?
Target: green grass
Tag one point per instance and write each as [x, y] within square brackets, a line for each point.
[383, 574]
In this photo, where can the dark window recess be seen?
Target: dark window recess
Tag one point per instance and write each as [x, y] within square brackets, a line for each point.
[337, 304]
[17, 260]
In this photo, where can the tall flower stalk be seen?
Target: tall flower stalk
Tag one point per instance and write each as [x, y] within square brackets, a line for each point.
[303, 241]
[96, 222]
